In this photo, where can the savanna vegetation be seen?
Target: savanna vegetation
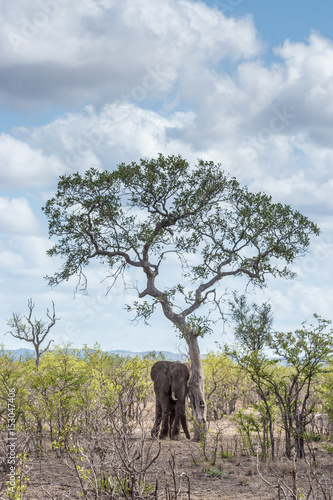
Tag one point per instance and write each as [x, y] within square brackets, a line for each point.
[88, 415]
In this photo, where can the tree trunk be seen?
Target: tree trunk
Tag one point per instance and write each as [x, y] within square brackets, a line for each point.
[299, 439]
[197, 388]
[270, 422]
[37, 357]
[39, 436]
[288, 445]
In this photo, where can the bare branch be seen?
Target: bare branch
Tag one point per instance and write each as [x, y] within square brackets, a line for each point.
[34, 331]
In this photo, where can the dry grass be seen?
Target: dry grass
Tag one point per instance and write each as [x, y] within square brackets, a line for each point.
[183, 472]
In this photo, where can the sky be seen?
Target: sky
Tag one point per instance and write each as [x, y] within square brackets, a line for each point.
[245, 83]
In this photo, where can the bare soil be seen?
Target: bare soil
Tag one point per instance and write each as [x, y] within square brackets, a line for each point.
[182, 468]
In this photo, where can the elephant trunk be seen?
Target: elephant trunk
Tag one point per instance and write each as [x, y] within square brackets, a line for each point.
[180, 412]
[183, 422]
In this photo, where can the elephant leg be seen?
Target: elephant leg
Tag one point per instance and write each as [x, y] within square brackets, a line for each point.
[158, 418]
[174, 425]
[173, 422]
[165, 421]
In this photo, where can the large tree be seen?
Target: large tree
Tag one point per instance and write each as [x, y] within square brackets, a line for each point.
[144, 214]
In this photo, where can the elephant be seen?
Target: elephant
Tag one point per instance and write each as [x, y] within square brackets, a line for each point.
[170, 386]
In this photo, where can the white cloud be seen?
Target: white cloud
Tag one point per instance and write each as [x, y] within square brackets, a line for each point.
[170, 76]
[103, 50]
[22, 166]
[17, 217]
[308, 61]
[10, 260]
[23, 264]
[120, 131]
[308, 80]
[294, 188]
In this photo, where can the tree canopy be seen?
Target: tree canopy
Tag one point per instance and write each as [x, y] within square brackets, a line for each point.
[138, 214]
[142, 214]
[253, 322]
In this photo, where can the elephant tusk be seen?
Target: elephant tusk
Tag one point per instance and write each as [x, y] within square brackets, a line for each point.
[173, 396]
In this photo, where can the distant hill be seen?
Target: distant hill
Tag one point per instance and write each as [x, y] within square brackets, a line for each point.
[21, 353]
[171, 356]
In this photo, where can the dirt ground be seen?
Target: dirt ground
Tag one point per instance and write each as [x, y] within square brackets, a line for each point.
[181, 467]
[184, 470]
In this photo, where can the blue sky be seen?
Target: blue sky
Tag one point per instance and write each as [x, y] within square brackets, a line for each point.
[278, 20]
[245, 83]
